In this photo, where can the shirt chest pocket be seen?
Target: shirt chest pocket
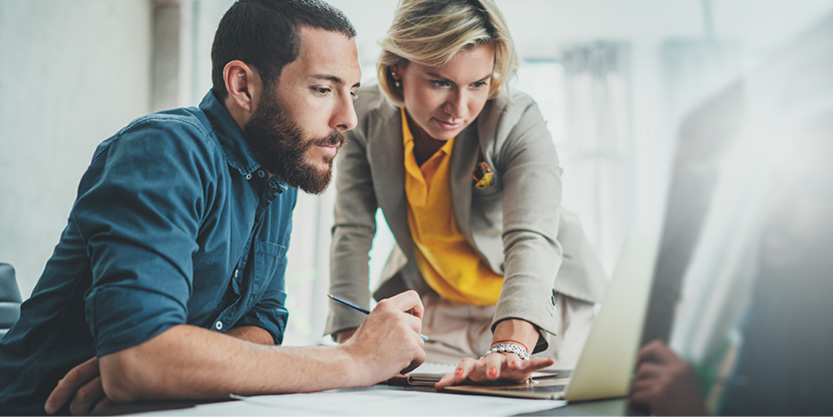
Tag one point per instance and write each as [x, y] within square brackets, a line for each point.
[269, 259]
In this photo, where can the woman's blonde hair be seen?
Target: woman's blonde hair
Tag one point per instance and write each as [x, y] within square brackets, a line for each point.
[430, 32]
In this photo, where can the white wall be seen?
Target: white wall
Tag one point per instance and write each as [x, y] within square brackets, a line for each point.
[74, 72]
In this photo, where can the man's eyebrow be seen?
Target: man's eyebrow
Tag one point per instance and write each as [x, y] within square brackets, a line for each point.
[334, 79]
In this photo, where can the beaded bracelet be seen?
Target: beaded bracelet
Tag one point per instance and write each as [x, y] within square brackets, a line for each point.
[510, 341]
[515, 348]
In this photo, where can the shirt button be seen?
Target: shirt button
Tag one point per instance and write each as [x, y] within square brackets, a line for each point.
[235, 272]
[248, 176]
[260, 173]
[218, 325]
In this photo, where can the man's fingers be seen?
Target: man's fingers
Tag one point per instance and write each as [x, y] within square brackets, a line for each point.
[415, 323]
[406, 301]
[642, 398]
[102, 406]
[71, 382]
[418, 360]
[656, 351]
[57, 397]
[648, 370]
[87, 397]
[642, 386]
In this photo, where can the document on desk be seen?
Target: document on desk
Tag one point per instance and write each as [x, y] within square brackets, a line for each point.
[369, 402]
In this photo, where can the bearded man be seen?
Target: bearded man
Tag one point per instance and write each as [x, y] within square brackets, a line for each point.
[168, 280]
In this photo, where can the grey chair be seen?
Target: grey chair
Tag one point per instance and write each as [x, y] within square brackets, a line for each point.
[9, 298]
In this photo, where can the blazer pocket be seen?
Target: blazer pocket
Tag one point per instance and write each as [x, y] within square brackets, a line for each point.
[485, 181]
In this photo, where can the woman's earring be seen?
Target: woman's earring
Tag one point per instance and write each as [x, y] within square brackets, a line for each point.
[396, 80]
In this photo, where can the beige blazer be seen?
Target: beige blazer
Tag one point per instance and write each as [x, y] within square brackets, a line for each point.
[517, 224]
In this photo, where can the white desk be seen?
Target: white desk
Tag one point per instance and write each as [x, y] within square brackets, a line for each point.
[378, 400]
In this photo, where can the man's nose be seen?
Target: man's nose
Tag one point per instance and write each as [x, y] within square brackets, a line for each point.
[344, 115]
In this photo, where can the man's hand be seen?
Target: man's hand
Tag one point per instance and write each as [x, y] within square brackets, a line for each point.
[343, 335]
[388, 342]
[665, 383]
[494, 366]
[82, 384]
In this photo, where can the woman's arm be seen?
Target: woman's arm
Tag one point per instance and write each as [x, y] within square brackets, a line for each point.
[529, 170]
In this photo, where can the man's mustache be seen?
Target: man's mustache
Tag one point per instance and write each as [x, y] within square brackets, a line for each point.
[334, 138]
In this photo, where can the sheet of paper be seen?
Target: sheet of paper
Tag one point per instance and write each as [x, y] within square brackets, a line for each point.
[370, 402]
[434, 368]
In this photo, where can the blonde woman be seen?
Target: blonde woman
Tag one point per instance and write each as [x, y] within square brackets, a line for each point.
[467, 177]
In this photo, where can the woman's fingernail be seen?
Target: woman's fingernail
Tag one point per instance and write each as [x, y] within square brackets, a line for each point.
[493, 371]
[459, 371]
[515, 363]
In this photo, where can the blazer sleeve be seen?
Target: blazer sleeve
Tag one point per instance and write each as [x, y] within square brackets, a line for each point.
[531, 178]
[352, 233]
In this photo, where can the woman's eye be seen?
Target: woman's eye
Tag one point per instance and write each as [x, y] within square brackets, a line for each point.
[480, 84]
[440, 83]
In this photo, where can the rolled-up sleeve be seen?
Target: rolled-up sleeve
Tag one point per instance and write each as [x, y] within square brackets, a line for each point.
[139, 210]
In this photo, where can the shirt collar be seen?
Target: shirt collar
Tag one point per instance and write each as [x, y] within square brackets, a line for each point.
[239, 153]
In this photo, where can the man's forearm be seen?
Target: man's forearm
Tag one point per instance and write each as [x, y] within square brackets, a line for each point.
[195, 363]
[188, 362]
[253, 334]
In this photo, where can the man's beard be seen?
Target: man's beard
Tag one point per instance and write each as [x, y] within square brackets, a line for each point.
[282, 149]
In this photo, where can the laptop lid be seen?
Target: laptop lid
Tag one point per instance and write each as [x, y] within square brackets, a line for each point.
[607, 361]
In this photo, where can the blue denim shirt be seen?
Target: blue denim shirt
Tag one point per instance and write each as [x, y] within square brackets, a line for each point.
[175, 223]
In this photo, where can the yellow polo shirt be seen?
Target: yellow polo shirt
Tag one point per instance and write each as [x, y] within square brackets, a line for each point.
[446, 260]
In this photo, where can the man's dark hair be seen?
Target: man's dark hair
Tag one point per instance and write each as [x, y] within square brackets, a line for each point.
[264, 35]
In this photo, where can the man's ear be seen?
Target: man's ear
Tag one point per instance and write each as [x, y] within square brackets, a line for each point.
[243, 85]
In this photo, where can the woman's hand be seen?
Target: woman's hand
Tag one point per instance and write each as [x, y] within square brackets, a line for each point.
[501, 365]
[494, 366]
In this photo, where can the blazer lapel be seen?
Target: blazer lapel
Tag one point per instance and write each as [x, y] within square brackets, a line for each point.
[386, 153]
[463, 157]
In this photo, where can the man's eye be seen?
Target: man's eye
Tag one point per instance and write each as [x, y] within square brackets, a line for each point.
[321, 90]
[354, 95]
